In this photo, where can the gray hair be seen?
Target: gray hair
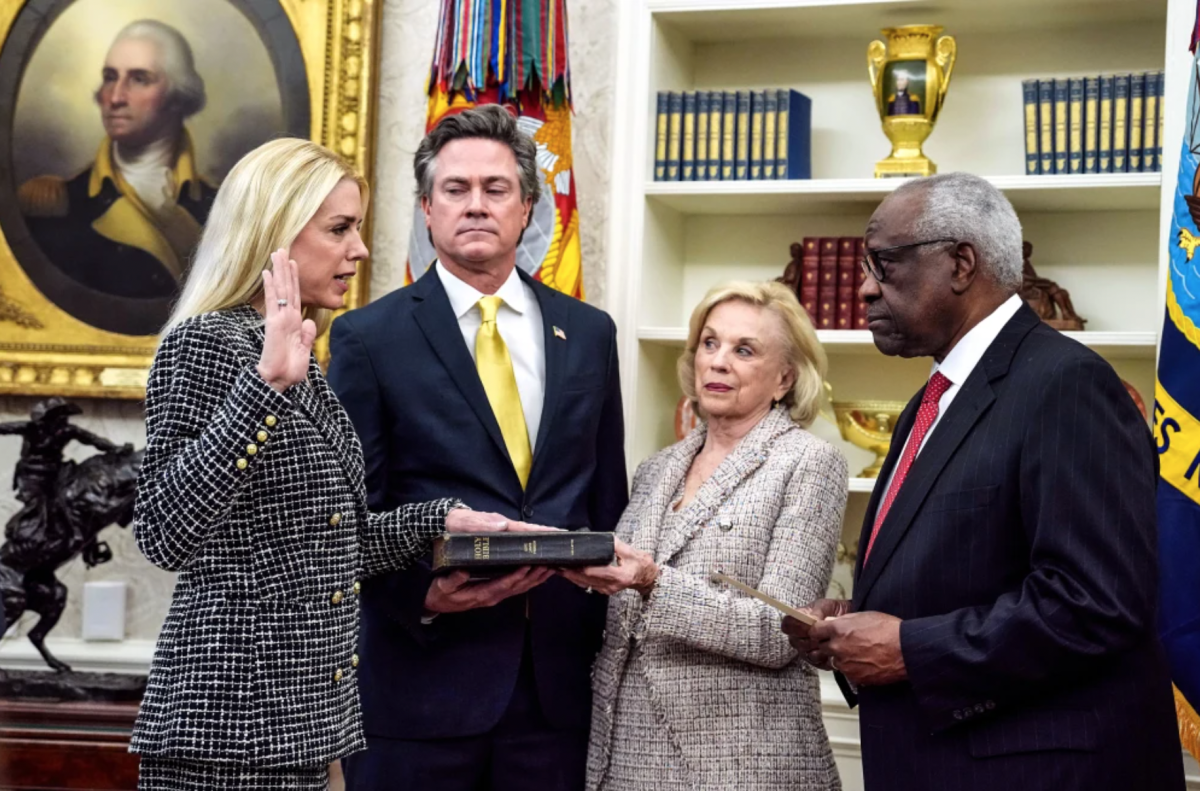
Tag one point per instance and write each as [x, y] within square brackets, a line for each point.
[489, 122]
[968, 208]
[178, 65]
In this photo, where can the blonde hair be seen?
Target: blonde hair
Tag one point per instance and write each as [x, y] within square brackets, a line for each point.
[802, 351]
[266, 200]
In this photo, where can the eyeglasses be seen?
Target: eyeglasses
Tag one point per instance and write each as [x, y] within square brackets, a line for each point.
[874, 267]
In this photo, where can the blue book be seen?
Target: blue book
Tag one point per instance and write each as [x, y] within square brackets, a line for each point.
[674, 133]
[1120, 124]
[660, 137]
[714, 135]
[1033, 165]
[757, 105]
[1091, 129]
[1046, 125]
[1075, 125]
[701, 165]
[741, 170]
[687, 155]
[770, 135]
[1150, 121]
[793, 128]
[1061, 117]
[1106, 120]
[1161, 113]
[1137, 109]
[728, 135]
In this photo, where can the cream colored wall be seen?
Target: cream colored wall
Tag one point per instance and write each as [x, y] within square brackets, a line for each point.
[406, 49]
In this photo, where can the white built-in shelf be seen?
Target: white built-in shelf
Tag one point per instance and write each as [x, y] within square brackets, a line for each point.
[862, 485]
[1095, 192]
[740, 20]
[1117, 345]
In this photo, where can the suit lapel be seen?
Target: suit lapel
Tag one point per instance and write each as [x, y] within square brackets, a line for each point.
[677, 459]
[970, 403]
[747, 457]
[554, 314]
[968, 406]
[437, 321]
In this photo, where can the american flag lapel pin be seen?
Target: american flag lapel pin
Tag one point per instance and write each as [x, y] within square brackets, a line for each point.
[558, 333]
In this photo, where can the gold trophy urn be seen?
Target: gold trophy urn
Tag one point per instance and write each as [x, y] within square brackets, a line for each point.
[868, 425]
[910, 75]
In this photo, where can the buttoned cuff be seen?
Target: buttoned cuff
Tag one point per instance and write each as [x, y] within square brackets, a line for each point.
[922, 643]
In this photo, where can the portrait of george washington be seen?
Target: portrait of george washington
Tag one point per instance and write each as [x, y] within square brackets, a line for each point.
[118, 143]
[904, 83]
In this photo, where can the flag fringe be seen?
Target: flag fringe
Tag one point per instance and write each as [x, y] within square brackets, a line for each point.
[517, 45]
[1189, 725]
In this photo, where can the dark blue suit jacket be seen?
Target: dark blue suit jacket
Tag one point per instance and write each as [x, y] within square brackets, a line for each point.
[407, 380]
[1021, 554]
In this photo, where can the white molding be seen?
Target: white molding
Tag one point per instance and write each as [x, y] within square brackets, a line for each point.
[125, 656]
[1090, 192]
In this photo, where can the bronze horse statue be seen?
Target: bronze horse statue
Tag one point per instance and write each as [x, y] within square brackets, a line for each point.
[66, 505]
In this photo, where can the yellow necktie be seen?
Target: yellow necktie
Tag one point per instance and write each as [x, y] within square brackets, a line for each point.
[495, 367]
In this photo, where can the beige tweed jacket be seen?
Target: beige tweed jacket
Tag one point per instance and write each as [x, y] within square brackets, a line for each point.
[744, 712]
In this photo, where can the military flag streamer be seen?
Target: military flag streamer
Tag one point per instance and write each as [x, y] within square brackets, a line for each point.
[514, 53]
[1177, 432]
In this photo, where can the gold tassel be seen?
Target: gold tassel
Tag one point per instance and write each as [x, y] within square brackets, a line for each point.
[1189, 724]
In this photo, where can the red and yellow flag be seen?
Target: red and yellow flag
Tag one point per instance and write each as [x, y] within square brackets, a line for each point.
[513, 53]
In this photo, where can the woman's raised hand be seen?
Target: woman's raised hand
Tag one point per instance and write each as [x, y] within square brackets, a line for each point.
[290, 336]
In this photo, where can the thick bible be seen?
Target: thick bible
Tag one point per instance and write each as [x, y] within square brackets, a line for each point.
[494, 554]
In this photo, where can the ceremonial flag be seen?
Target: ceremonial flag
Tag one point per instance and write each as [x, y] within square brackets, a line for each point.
[513, 53]
[1177, 432]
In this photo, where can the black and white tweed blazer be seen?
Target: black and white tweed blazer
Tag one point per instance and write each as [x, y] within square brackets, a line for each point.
[256, 498]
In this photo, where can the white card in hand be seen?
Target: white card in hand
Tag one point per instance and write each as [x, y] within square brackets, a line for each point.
[786, 609]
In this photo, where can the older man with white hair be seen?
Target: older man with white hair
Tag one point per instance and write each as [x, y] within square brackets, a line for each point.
[1002, 632]
[127, 224]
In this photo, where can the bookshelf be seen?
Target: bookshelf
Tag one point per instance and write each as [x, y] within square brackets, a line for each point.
[1097, 235]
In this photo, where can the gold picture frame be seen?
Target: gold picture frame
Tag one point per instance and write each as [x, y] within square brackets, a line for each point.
[324, 58]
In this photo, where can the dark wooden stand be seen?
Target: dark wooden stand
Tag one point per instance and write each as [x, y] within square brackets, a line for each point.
[66, 746]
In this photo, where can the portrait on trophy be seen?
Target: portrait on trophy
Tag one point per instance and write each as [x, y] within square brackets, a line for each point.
[904, 84]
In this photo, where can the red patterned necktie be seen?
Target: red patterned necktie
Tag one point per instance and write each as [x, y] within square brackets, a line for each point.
[926, 414]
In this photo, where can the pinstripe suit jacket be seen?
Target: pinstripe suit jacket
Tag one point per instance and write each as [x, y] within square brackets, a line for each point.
[256, 498]
[723, 678]
[1021, 555]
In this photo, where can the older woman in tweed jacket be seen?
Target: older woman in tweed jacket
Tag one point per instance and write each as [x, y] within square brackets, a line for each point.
[252, 489]
[696, 687]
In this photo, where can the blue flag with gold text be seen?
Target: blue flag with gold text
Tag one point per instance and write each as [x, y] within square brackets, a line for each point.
[1177, 432]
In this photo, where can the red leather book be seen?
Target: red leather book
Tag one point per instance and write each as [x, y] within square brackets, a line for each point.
[827, 285]
[809, 275]
[844, 313]
[860, 277]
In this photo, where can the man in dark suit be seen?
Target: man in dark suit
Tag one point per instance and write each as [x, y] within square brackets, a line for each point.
[479, 381]
[1002, 630]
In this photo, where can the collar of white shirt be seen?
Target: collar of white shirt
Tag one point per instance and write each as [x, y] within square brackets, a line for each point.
[967, 353]
[463, 296]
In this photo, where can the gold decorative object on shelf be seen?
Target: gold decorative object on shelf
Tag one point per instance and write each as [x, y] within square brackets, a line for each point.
[910, 75]
[868, 425]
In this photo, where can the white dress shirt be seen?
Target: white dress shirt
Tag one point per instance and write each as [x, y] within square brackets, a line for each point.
[519, 321]
[959, 364]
